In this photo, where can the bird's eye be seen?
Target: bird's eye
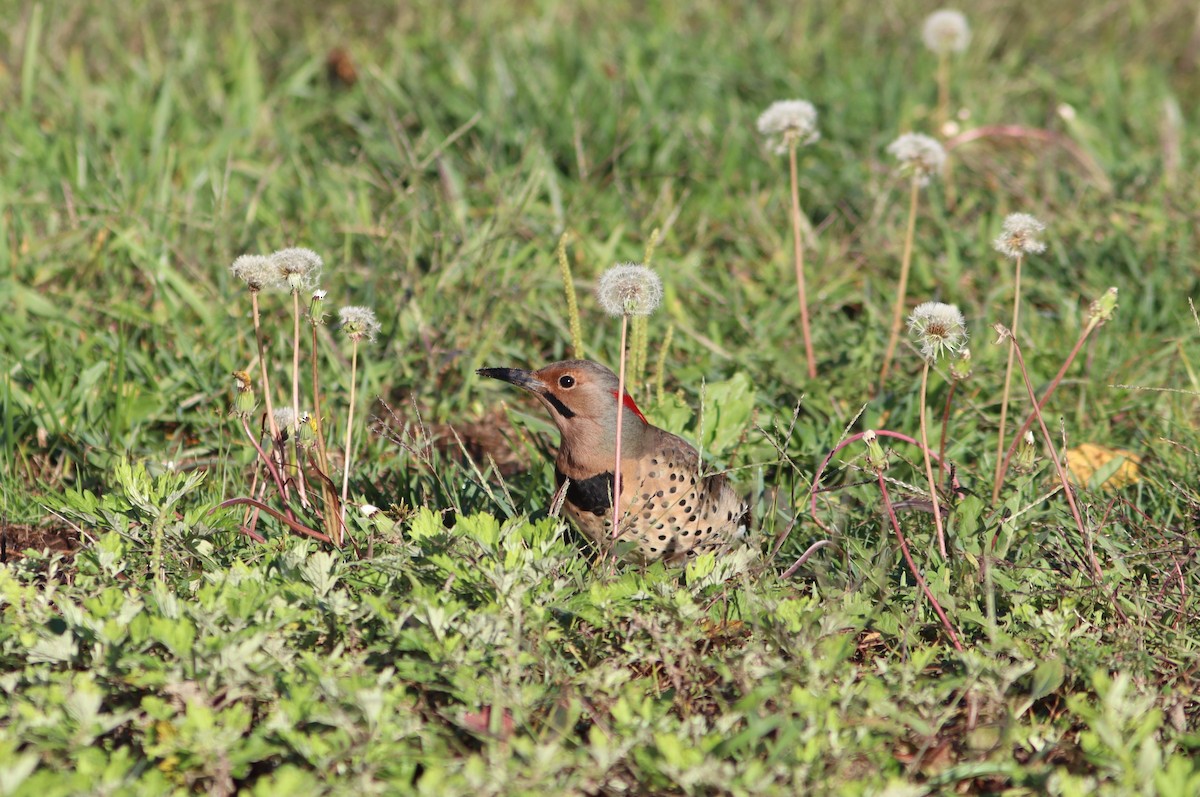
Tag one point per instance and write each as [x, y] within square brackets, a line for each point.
[566, 380]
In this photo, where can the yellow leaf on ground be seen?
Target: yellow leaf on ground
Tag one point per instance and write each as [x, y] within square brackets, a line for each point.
[1086, 459]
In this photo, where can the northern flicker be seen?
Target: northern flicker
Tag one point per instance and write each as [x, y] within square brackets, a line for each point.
[669, 509]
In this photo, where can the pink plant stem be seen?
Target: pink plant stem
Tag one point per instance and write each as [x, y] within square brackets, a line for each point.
[279, 483]
[333, 511]
[1038, 407]
[887, 503]
[798, 247]
[616, 483]
[1097, 574]
[295, 525]
[816, 485]
[816, 546]
[251, 533]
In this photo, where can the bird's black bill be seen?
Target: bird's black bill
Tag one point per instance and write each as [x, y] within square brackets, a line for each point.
[514, 376]
[526, 380]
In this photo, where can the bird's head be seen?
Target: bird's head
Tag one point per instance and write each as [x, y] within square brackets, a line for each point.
[581, 397]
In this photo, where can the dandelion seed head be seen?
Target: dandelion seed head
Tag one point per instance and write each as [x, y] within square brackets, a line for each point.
[1020, 236]
[629, 289]
[788, 123]
[300, 267]
[946, 31]
[358, 322]
[919, 155]
[940, 329]
[257, 271]
[285, 419]
[319, 295]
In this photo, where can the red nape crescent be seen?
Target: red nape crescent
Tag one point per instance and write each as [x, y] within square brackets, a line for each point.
[630, 405]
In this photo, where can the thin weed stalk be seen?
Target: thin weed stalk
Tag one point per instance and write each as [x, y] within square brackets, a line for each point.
[1040, 405]
[328, 491]
[349, 437]
[280, 484]
[902, 288]
[1061, 469]
[912, 566]
[564, 268]
[616, 483]
[798, 251]
[1007, 378]
[262, 363]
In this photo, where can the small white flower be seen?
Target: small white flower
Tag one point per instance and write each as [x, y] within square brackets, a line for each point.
[960, 365]
[300, 267]
[629, 289]
[946, 32]
[257, 271]
[1019, 236]
[939, 328]
[788, 123]
[919, 155]
[359, 322]
[319, 295]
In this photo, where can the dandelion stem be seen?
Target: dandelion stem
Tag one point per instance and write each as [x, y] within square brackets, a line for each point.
[1007, 376]
[616, 483]
[902, 288]
[933, 492]
[349, 430]
[328, 492]
[798, 249]
[303, 493]
[262, 363]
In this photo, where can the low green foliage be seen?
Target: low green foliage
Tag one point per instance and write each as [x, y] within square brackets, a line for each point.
[467, 642]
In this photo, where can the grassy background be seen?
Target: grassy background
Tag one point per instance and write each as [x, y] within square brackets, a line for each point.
[146, 146]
